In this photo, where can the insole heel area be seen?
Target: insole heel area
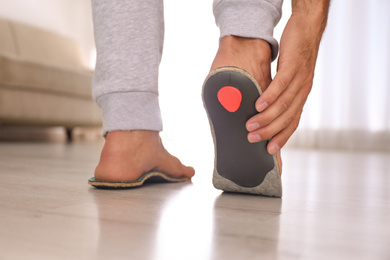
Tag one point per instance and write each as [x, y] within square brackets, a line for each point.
[244, 163]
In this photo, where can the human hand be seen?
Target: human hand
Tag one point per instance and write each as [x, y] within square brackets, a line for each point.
[281, 104]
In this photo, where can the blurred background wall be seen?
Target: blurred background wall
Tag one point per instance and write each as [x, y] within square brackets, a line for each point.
[349, 106]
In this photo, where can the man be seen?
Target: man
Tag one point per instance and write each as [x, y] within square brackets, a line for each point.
[129, 39]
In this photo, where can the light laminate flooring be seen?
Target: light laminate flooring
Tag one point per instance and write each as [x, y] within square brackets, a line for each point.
[336, 205]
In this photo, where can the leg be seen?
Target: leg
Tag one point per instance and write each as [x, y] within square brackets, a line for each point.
[69, 134]
[230, 94]
[129, 41]
[248, 43]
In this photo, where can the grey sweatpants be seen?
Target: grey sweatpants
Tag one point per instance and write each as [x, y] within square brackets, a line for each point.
[129, 39]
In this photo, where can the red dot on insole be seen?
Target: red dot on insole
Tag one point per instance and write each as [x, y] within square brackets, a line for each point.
[230, 98]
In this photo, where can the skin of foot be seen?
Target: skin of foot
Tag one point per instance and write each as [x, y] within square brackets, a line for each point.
[252, 55]
[126, 155]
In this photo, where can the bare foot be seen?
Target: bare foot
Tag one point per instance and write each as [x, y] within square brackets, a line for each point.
[127, 155]
[252, 55]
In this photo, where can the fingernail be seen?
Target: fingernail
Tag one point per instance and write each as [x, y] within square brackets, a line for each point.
[253, 138]
[253, 126]
[274, 149]
[262, 106]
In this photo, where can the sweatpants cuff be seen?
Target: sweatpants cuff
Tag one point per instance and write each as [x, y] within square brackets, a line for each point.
[250, 19]
[130, 111]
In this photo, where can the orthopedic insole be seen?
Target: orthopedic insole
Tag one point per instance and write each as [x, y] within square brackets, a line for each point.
[229, 96]
[149, 177]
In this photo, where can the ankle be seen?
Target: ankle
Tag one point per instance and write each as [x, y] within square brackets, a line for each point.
[118, 142]
[235, 45]
[250, 54]
[133, 135]
[122, 155]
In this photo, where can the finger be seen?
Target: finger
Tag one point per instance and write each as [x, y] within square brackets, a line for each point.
[277, 86]
[281, 105]
[281, 122]
[279, 158]
[278, 125]
[279, 140]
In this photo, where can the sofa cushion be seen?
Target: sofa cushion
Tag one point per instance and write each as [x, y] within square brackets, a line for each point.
[31, 76]
[43, 80]
[41, 46]
[19, 107]
[34, 59]
[7, 43]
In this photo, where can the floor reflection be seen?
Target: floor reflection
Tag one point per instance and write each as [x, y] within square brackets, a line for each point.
[128, 219]
[186, 221]
[186, 225]
[246, 226]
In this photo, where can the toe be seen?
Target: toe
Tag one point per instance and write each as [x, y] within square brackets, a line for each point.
[172, 166]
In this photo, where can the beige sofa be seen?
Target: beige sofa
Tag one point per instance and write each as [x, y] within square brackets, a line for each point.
[43, 79]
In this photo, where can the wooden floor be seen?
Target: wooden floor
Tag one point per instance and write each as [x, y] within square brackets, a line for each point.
[336, 205]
